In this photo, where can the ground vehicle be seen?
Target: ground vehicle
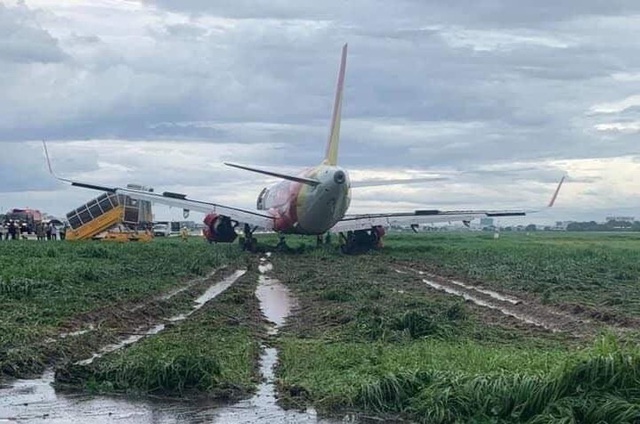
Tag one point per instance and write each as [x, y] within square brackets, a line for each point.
[28, 217]
[161, 230]
[107, 212]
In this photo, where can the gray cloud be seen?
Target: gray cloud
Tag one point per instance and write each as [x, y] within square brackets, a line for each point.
[22, 40]
[462, 86]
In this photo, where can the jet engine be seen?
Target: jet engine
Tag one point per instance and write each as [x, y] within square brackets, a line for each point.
[219, 228]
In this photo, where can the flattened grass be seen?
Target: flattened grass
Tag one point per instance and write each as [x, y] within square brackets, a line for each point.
[45, 286]
[214, 352]
[600, 271]
[369, 339]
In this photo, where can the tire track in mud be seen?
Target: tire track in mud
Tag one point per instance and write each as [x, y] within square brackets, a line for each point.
[36, 399]
[94, 323]
[527, 312]
[210, 293]
[276, 303]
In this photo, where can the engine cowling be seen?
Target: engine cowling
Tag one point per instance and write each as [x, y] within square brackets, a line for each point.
[219, 228]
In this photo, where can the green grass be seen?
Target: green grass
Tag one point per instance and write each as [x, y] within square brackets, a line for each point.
[440, 382]
[215, 352]
[364, 337]
[371, 340]
[597, 270]
[45, 287]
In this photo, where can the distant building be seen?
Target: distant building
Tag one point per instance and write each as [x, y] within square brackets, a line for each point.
[486, 222]
[620, 218]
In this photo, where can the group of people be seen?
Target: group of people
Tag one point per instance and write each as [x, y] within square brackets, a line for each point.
[14, 230]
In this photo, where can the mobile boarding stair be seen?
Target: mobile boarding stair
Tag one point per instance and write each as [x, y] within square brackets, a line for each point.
[111, 217]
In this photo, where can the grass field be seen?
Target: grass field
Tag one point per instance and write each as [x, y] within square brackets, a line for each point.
[368, 338]
[214, 353]
[368, 334]
[54, 287]
[596, 270]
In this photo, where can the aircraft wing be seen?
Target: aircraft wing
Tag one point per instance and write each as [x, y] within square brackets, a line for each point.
[366, 221]
[178, 200]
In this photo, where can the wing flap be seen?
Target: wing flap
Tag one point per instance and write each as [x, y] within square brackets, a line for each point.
[426, 216]
[363, 222]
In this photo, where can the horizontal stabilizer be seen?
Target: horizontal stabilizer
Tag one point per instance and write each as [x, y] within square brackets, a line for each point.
[303, 180]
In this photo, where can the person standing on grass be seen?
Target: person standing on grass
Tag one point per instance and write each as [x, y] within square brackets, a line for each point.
[54, 232]
[40, 231]
[13, 230]
[184, 233]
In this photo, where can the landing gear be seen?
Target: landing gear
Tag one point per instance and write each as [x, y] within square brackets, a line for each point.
[282, 245]
[248, 242]
[361, 241]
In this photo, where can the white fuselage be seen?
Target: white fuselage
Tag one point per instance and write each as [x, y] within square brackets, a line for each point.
[308, 209]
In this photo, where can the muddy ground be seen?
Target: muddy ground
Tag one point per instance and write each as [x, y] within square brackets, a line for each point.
[289, 337]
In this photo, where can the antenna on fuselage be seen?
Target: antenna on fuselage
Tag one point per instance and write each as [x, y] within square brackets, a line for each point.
[331, 156]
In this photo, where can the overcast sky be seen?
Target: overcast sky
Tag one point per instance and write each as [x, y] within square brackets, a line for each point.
[500, 96]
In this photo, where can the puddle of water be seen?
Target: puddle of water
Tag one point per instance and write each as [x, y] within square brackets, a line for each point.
[481, 302]
[35, 401]
[91, 327]
[491, 293]
[275, 301]
[188, 285]
[262, 406]
[265, 267]
[495, 295]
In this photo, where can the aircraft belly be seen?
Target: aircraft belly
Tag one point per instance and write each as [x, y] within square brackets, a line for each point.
[321, 212]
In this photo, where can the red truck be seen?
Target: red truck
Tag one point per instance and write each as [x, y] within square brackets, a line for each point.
[28, 217]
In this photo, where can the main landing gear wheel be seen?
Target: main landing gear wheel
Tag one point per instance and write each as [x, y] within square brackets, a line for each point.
[361, 241]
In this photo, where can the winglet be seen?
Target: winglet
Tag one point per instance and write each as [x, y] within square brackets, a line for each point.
[46, 155]
[331, 156]
[73, 183]
[555, 194]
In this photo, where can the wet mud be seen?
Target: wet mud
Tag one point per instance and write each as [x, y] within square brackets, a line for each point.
[213, 291]
[35, 400]
[527, 312]
[276, 303]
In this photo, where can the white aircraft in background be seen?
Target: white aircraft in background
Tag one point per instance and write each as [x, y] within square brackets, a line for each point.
[313, 202]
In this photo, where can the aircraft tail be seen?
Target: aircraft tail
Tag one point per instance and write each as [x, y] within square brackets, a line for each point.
[331, 156]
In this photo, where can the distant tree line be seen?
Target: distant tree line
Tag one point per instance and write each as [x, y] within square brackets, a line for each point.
[607, 226]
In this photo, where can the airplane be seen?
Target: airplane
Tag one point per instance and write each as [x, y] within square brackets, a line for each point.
[313, 202]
